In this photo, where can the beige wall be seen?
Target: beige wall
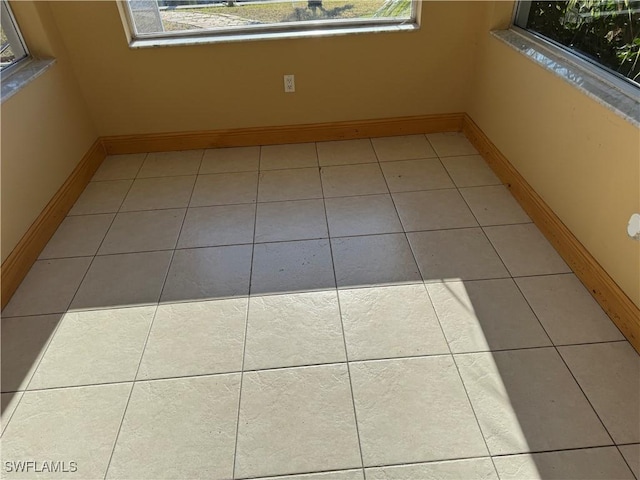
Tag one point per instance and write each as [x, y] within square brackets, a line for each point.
[46, 129]
[583, 159]
[232, 85]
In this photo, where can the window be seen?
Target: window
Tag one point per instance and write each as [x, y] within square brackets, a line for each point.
[208, 20]
[12, 48]
[603, 32]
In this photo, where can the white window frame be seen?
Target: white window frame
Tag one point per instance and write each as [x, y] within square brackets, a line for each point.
[269, 31]
[11, 30]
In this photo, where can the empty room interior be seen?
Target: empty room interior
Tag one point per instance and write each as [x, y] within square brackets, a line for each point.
[320, 240]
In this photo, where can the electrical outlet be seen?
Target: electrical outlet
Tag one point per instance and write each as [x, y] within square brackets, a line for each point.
[289, 83]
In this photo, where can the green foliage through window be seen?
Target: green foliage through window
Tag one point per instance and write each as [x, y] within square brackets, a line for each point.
[605, 31]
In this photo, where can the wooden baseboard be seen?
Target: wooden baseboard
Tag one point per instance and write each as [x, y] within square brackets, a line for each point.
[624, 313]
[18, 263]
[164, 142]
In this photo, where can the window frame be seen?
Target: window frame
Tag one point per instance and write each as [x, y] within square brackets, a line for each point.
[14, 37]
[618, 80]
[282, 30]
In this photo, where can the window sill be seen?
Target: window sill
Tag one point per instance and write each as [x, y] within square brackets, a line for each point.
[607, 90]
[243, 37]
[15, 80]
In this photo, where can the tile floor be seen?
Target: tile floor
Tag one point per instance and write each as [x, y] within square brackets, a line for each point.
[378, 309]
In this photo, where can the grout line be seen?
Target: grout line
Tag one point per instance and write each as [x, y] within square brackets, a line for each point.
[285, 476]
[246, 322]
[312, 365]
[444, 336]
[154, 177]
[5, 421]
[349, 287]
[289, 200]
[63, 314]
[538, 452]
[146, 341]
[555, 347]
[409, 159]
[624, 459]
[464, 155]
[329, 237]
[505, 266]
[455, 363]
[404, 232]
[344, 339]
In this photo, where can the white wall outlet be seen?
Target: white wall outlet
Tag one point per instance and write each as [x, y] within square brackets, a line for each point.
[289, 83]
[633, 228]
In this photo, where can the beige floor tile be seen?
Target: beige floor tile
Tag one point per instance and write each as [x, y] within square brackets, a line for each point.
[217, 226]
[609, 375]
[631, 454]
[294, 329]
[433, 210]
[24, 341]
[227, 160]
[9, 402]
[293, 184]
[77, 425]
[225, 189]
[413, 410]
[527, 400]
[353, 180]
[403, 147]
[346, 152]
[525, 251]
[181, 428]
[312, 410]
[414, 175]
[208, 274]
[119, 167]
[450, 144]
[157, 193]
[592, 463]
[337, 475]
[463, 254]
[385, 322]
[196, 338]
[123, 280]
[171, 164]
[468, 469]
[93, 347]
[143, 231]
[567, 310]
[49, 287]
[366, 215]
[470, 171]
[374, 260]
[289, 267]
[78, 236]
[294, 155]
[101, 197]
[494, 205]
[486, 315]
[294, 220]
